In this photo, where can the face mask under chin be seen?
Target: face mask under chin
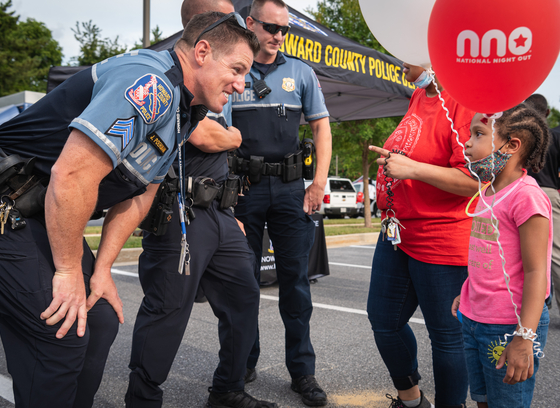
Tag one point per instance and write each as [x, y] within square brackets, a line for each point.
[423, 81]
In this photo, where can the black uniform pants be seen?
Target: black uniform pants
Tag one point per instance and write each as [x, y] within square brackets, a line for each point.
[46, 371]
[223, 264]
[292, 232]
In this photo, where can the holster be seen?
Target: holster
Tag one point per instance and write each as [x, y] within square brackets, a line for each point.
[204, 191]
[18, 182]
[161, 212]
[292, 167]
[230, 191]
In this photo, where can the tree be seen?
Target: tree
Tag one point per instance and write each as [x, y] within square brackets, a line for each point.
[94, 48]
[345, 18]
[157, 36]
[352, 139]
[27, 51]
[554, 118]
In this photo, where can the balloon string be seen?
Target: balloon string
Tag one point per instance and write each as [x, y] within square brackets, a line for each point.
[493, 218]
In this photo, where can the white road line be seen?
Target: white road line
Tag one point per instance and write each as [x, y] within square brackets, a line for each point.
[119, 272]
[341, 309]
[362, 246]
[317, 305]
[350, 265]
[6, 390]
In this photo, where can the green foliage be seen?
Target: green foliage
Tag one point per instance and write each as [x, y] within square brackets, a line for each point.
[27, 51]
[94, 48]
[554, 118]
[351, 141]
[157, 36]
[344, 17]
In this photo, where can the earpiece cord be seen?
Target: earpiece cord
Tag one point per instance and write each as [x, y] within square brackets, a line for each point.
[524, 332]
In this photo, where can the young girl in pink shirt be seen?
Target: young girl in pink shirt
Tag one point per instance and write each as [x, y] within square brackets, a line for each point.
[515, 213]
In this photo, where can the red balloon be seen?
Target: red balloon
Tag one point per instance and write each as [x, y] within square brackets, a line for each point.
[491, 55]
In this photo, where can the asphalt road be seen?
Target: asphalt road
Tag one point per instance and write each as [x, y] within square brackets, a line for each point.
[348, 364]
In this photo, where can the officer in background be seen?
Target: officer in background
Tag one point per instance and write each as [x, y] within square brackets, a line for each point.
[277, 90]
[221, 262]
[549, 181]
[106, 137]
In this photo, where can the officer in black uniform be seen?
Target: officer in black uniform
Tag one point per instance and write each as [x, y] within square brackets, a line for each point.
[278, 90]
[103, 139]
[221, 262]
[549, 181]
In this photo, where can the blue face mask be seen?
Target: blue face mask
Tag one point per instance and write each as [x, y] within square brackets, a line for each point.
[424, 80]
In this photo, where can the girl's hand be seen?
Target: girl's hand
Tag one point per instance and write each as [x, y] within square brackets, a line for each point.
[455, 306]
[520, 360]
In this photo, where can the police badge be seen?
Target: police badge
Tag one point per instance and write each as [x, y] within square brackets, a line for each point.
[288, 84]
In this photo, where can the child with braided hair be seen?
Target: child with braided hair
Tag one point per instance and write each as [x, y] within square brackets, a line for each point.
[515, 213]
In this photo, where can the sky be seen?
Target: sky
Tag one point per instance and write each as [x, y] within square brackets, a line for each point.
[124, 18]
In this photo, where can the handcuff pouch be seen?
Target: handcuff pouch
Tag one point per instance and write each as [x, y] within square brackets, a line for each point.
[205, 190]
[255, 168]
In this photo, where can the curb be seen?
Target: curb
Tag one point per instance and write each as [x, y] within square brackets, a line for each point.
[130, 255]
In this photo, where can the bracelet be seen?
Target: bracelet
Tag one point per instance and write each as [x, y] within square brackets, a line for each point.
[527, 334]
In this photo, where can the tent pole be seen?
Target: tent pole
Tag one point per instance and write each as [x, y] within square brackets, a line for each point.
[146, 36]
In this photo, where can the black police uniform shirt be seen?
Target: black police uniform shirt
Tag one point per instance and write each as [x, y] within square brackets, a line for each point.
[126, 104]
[270, 125]
[213, 165]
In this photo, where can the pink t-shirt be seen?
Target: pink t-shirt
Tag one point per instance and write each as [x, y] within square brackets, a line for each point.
[484, 296]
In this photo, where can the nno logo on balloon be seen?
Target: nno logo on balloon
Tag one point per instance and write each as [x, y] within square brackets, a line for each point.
[518, 43]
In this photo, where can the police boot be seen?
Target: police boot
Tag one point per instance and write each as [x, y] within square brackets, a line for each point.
[236, 399]
[311, 394]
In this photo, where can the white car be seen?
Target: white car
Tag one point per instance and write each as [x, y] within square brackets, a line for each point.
[339, 199]
[359, 186]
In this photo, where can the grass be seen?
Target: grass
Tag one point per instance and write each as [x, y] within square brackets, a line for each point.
[132, 242]
[331, 231]
[327, 221]
[333, 227]
[92, 230]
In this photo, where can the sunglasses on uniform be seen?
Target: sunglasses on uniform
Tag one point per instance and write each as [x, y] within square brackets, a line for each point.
[273, 28]
[237, 16]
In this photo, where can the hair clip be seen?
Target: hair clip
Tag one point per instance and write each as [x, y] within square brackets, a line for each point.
[496, 115]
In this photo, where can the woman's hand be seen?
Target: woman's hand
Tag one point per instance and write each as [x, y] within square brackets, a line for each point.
[395, 165]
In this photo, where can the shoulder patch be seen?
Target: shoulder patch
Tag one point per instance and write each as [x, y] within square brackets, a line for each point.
[288, 84]
[315, 75]
[151, 97]
[124, 128]
[159, 144]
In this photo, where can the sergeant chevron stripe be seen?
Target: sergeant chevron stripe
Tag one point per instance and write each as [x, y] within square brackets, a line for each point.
[124, 128]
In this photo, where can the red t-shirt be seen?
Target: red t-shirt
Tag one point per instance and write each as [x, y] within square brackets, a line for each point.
[436, 226]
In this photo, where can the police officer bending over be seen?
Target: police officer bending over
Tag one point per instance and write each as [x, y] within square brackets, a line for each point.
[278, 89]
[221, 262]
[103, 139]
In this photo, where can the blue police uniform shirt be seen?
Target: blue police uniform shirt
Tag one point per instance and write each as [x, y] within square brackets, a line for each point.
[213, 165]
[270, 125]
[132, 114]
[126, 104]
